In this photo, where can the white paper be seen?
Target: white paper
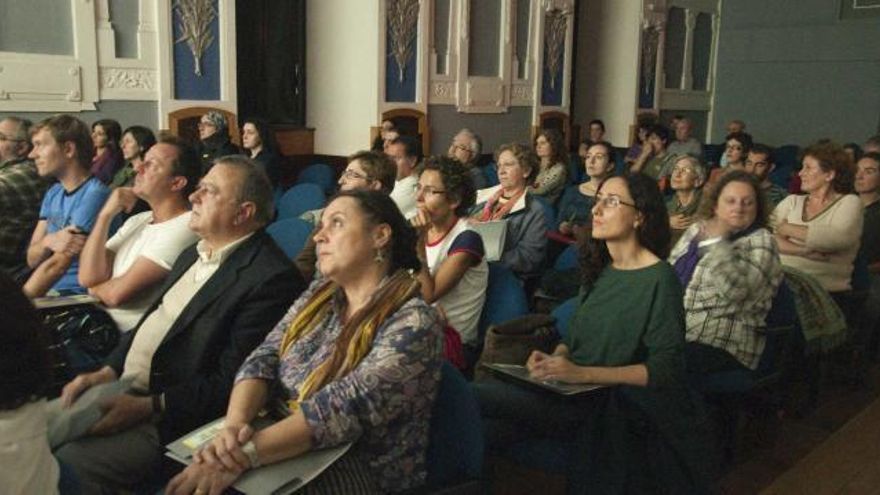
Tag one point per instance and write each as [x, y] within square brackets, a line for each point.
[494, 234]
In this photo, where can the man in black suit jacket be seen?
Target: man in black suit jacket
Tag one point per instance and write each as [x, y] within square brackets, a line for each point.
[221, 298]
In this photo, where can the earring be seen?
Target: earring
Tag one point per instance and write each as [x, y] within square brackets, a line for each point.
[379, 258]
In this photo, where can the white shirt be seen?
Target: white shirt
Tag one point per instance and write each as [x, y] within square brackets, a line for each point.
[160, 243]
[156, 326]
[26, 462]
[404, 195]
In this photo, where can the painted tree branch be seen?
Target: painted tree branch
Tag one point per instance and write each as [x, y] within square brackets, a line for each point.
[554, 41]
[195, 17]
[403, 16]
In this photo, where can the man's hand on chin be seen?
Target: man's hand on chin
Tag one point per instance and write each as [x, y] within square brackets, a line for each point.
[121, 412]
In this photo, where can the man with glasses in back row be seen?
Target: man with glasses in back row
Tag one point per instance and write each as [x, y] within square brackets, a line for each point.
[21, 191]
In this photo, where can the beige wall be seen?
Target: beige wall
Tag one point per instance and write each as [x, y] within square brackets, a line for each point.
[342, 43]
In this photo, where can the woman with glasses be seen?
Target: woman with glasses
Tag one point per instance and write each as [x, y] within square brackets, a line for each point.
[525, 242]
[729, 265]
[366, 170]
[687, 179]
[214, 139]
[627, 330]
[454, 272]
[577, 204]
[552, 174]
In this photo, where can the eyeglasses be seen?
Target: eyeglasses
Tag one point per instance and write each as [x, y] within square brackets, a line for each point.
[350, 174]
[4, 137]
[612, 202]
[461, 147]
[427, 190]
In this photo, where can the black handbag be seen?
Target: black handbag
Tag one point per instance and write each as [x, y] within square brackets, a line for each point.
[81, 336]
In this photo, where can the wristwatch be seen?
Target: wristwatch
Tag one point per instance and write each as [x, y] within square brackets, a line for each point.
[250, 450]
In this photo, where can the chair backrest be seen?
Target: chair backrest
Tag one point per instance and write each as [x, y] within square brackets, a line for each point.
[290, 234]
[490, 172]
[786, 160]
[455, 448]
[781, 320]
[567, 259]
[549, 211]
[712, 153]
[563, 314]
[576, 172]
[505, 298]
[320, 174]
[300, 199]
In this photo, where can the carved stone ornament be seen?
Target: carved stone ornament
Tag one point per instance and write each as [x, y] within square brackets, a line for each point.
[195, 27]
[128, 79]
[403, 17]
[555, 28]
[442, 90]
[521, 93]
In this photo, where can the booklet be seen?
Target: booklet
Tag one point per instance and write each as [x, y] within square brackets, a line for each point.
[280, 478]
[521, 374]
[60, 301]
[68, 424]
[494, 233]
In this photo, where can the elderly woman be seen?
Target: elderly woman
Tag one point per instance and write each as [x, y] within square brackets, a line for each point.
[729, 265]
[136, 141]
[259, 143]
[214, 139]
[687, 179]
[454, 272]
[108, 159]
[552, 174]
[818, 233]
[525, 243]
[627, 329]
[356, 359]
[577, 203]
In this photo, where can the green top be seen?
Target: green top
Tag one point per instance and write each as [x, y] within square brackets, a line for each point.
[632, 317]
[659, 166]
[124, 177]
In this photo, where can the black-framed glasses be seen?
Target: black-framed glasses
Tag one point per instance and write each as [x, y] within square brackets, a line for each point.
[612, 202]
[352, 175]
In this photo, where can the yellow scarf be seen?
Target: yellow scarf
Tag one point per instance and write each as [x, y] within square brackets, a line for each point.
[356, 338]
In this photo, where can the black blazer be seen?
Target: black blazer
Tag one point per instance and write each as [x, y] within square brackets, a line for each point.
[196, 363]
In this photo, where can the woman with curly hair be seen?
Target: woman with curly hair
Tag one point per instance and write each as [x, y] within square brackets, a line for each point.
[819, 232]
[552, 173]
[454, 272]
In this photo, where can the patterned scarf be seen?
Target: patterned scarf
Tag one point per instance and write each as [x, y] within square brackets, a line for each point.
[491, 213]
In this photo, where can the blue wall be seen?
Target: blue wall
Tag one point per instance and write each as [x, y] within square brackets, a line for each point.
[187, 85]
[394, 89]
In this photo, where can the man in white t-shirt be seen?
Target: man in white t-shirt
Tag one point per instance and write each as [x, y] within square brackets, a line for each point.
[405, 152]
[125, 271]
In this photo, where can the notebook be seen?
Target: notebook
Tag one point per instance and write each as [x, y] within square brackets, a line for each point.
[521, 374]
[494, 233]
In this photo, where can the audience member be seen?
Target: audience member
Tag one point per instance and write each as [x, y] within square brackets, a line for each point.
[596, 131]
[684, 143]
[368, 170]
[218, 303]
[576, 206]
[136, 141]
[552, 173]
[655, 160]
[126, 272]
[730, 268]
[108, 159]
[872, 145]
[641, 140]
[760, 164]
[525, 242]
[26, 463]
[355, 359]
[21, 191]
[386, 127]
[454, 272]
[867, 185]
[628, 329]
[214, 139]
[390, 136]
[62, 150]
[818, 233]
[735, 126]
[736, 149]
[467, 147]
[258, 141]
[687, 179]
[854, 151]
[406, 152]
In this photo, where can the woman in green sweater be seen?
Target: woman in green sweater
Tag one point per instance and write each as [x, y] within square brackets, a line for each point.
[628, 330]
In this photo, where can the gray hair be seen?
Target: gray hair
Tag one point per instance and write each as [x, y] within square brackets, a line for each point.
[476, 143]
[695, 163]
[218, 119]
[23, 127]
[255, 186]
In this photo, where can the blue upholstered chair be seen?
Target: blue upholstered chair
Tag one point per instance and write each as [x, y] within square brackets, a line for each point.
[505, 299]
[300, 199]
[290, 234]
[786, 160]
[455, 449]
[490, 172]
[320, 174]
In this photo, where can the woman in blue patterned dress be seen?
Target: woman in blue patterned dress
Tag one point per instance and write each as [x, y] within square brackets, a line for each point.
[356, 359]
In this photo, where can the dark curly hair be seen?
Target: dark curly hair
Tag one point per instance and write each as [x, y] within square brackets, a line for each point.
[25, 366]
[456, 180]
[653, 233]
[379, 208]
[710, 201]
[557, 146]
[833, 158]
